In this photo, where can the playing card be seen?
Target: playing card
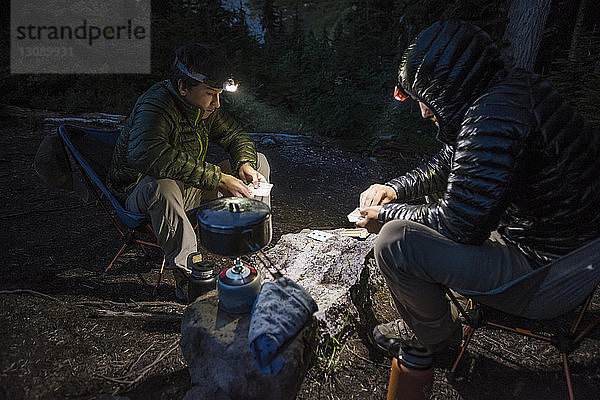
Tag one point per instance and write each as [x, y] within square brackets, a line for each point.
[263, 189]
[354, 216]
[320, 235]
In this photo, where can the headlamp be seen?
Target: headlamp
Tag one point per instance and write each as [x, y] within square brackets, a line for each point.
[229, 85]
[399, 94]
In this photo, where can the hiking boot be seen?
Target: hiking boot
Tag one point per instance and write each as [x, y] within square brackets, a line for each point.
[184, 290]
[392, 336]
[181, 285]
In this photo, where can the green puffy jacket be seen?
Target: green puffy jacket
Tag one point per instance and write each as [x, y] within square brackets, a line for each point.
[165, 137]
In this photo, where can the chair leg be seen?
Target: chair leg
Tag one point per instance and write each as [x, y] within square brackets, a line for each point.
[583, 310]
[587, 330]
[160, 274]
[468, 334]
[143, 244]
[568, 376]
[143, 249]
[121, 250]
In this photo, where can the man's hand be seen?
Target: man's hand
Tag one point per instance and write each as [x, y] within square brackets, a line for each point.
[370, 220]
[377, 195]
[250, 175]
[232, 186]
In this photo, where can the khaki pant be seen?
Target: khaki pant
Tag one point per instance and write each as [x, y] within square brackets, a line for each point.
[165, 202]
[419, 263]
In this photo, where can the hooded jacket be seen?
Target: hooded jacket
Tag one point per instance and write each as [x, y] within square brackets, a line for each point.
[516, 157]
[165, 137]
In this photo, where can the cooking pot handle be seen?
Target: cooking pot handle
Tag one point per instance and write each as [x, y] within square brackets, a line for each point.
[268, 264]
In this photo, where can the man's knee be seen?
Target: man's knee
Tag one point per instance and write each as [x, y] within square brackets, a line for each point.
[161, 190]
[149, 192]
[391, 248]
[391, 233]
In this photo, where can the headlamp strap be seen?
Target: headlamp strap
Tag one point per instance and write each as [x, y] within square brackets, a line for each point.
[229, 84]
[198, 77]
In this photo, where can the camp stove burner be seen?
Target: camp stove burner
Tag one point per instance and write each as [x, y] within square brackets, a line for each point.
[239, 274]
[238, 286]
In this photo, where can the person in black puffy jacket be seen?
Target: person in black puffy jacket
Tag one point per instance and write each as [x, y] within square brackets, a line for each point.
[517, 178]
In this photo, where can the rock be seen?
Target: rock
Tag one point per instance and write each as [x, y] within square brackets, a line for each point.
[215, 345]
[334, 272]
[339, 275]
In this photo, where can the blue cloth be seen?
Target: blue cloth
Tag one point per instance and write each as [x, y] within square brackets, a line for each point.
[280, 311]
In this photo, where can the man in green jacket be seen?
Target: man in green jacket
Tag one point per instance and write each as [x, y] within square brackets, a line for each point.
[158, 165]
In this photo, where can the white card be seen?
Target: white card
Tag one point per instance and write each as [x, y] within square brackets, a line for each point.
[263, 189]
[320, 235]
[355, 216]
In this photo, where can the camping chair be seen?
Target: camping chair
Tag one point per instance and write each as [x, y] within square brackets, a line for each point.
[91, 151]
[552, 291]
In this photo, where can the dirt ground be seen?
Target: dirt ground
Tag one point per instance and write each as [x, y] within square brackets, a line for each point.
[69, 335]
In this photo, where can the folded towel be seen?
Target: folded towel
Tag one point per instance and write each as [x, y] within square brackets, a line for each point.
[280, 311]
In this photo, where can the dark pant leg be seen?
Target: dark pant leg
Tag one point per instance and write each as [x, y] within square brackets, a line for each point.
[419, 263]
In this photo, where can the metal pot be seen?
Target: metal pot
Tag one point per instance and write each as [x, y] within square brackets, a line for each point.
[234, 226]
[238, 286]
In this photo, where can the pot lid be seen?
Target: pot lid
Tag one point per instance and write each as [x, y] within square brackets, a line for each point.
[232, 212]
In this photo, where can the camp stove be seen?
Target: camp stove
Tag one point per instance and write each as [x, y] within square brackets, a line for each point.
[238, 286]
[236, 227]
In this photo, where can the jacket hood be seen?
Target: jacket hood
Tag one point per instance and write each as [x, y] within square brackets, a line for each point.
[447, 67]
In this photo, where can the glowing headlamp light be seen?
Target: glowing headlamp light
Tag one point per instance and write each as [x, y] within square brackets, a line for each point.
[399, 94]
[230, 85]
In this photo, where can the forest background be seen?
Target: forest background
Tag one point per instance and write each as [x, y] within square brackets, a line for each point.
[327, 68]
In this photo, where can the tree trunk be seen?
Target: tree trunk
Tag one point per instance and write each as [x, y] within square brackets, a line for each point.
[268, 20]
[577, 29]
[524, 31]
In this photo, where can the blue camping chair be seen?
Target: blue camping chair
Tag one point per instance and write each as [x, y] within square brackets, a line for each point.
[550, 292]
[91, 151]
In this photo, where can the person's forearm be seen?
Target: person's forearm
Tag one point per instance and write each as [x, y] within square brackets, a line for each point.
[428, 178]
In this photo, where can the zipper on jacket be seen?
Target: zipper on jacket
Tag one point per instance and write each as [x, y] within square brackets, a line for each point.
[199, 137]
